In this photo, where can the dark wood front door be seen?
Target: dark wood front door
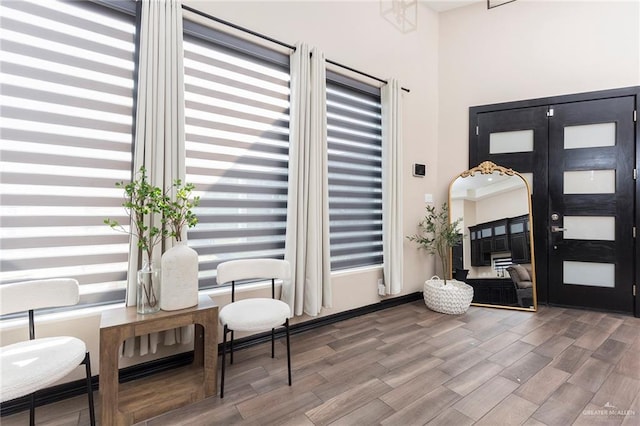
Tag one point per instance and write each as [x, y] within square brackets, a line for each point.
[530, 159]
[581, 161]
[591, 204]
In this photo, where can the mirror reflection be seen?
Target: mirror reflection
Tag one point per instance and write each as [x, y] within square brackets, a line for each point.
[496, 256]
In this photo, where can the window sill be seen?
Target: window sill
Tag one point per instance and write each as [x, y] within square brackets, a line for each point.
[354, 271]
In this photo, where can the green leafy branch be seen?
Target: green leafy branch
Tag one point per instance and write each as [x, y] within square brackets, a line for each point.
[141, 200]
[177, 214]
[438, 235]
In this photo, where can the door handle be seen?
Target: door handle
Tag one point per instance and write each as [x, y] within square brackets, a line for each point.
[557, 229]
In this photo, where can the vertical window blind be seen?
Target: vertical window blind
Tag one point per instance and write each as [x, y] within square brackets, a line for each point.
[66, 118]
[237, 146]
[354, 131]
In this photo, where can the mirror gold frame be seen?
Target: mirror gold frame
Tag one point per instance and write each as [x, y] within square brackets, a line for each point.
[503, 174]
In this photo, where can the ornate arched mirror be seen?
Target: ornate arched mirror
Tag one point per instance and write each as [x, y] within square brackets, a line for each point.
[496, 256]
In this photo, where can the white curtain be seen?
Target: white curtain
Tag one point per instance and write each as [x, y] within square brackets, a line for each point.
[307, 238]
[392, 167]
[159, 144]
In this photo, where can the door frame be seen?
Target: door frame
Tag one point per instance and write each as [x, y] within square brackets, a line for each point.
[541, 221]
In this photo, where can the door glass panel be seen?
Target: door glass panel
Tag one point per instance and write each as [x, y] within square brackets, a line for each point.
[506, 142]
[590, 182]
[590, 135]
[590, 228]
[500, 230]
[589, 273]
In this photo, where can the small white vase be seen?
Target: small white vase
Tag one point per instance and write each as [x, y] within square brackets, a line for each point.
[148, 289]
[179, 288]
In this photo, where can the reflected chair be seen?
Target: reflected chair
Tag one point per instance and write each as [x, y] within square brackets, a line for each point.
[35, 364]
[253, 314]
[521, 277]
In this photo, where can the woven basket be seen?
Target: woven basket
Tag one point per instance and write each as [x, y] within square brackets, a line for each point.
[454, 298]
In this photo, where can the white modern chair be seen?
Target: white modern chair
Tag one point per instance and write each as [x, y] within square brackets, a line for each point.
[253, 314]
[34, 364]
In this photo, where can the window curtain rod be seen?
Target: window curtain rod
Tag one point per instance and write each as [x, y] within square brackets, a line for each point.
[362, 73]
[278, 42]
[237, 27]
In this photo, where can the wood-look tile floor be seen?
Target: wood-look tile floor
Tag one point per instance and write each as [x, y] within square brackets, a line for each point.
[409, 366]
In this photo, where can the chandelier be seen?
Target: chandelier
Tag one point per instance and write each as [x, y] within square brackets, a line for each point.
[402, 14]
[495, 3]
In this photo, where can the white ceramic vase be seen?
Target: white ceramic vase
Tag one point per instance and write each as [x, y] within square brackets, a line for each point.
[179, 288]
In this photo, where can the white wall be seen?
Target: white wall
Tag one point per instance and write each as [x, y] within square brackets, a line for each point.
[528, 49]
[504, 204]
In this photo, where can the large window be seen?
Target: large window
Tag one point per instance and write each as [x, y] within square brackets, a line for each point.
[354, 123]
[237, 144]
[66, 121]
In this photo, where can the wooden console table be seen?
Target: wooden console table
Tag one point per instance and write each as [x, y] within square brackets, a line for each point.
[137, 400]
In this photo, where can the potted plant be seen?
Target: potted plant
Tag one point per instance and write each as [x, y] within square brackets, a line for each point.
[180, 263]
[437, 236]
[141, 201]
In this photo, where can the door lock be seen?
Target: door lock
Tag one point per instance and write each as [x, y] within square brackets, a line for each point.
[555, 216]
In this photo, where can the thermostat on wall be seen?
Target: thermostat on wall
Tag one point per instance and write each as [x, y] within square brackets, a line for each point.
[419, 170]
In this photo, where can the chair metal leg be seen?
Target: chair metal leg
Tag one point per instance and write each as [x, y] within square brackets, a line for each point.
[32, 409]
[286, 325]
[224, 352]
[92, 411]
[273, 338]
[231, 347]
